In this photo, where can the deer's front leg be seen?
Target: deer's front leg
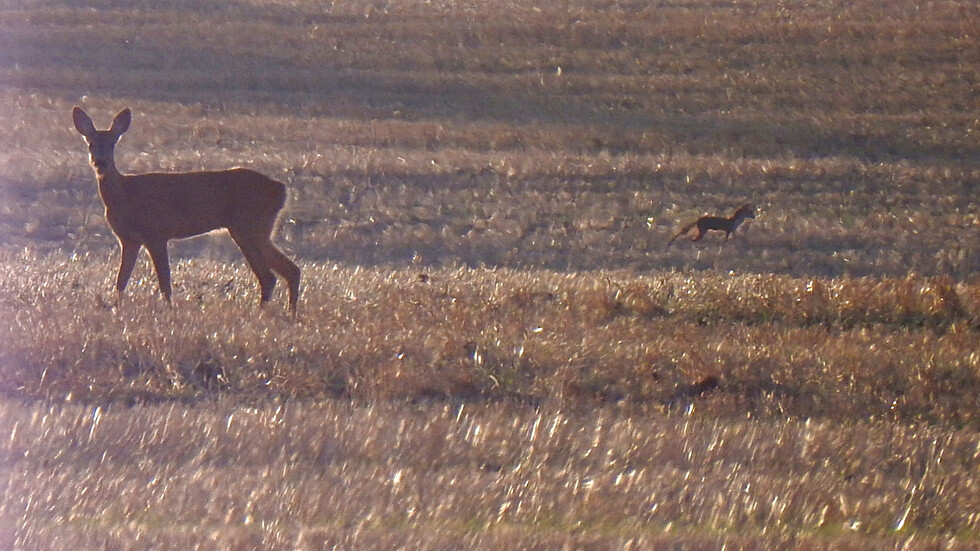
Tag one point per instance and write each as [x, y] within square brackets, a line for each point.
[130, 252]
[161, 263]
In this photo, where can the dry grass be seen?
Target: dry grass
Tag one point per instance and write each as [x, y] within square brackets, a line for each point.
[489, 409]
[844, 349]
[310, 476]
[493, 349]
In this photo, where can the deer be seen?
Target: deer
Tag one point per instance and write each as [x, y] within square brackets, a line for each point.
[150, 209]
[727, 225]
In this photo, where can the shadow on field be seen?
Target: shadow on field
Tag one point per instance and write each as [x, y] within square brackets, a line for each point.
[376, 96]
[311, 84]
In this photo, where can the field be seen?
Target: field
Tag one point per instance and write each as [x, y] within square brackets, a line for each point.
[493, 348]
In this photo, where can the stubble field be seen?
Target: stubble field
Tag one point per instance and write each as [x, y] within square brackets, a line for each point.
[493, 347]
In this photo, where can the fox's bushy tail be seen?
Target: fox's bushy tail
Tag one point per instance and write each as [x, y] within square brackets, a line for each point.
[686, 229]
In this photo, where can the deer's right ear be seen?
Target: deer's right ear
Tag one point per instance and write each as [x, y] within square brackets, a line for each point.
[83, 123]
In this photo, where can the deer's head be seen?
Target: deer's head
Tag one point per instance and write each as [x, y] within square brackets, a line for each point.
[101, 143]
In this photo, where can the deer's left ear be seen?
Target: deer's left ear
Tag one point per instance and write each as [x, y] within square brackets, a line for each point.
[120, 124]
[83, 123]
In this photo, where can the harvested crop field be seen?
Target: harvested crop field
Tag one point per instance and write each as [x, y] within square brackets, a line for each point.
[494, 349]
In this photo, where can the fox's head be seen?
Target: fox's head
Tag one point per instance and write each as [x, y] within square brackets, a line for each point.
[746, 211]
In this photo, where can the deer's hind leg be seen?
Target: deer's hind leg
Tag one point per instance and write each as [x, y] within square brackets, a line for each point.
[284, 267]
[251, 247]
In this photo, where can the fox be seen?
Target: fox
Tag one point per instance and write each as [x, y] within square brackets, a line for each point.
[727, 225]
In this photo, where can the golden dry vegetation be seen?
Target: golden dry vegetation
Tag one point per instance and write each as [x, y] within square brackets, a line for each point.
[493, 349]
[332, 474]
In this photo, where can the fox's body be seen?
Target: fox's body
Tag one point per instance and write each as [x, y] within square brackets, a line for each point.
[148, 210]
[708, 223]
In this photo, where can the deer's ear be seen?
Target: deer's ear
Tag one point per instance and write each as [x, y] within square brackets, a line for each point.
[120, 124]
[83, 123]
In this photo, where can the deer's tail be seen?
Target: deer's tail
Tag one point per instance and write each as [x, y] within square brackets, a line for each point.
[686, 229]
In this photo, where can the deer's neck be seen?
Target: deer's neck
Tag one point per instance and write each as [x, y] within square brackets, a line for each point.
[110, 186]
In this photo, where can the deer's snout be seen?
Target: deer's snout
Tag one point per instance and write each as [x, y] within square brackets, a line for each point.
[101, 164]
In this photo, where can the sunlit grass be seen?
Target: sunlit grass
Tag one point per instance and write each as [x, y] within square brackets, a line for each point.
[902, 349]
[297, 475]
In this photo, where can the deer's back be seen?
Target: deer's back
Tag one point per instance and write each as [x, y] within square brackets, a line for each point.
[169, 205]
